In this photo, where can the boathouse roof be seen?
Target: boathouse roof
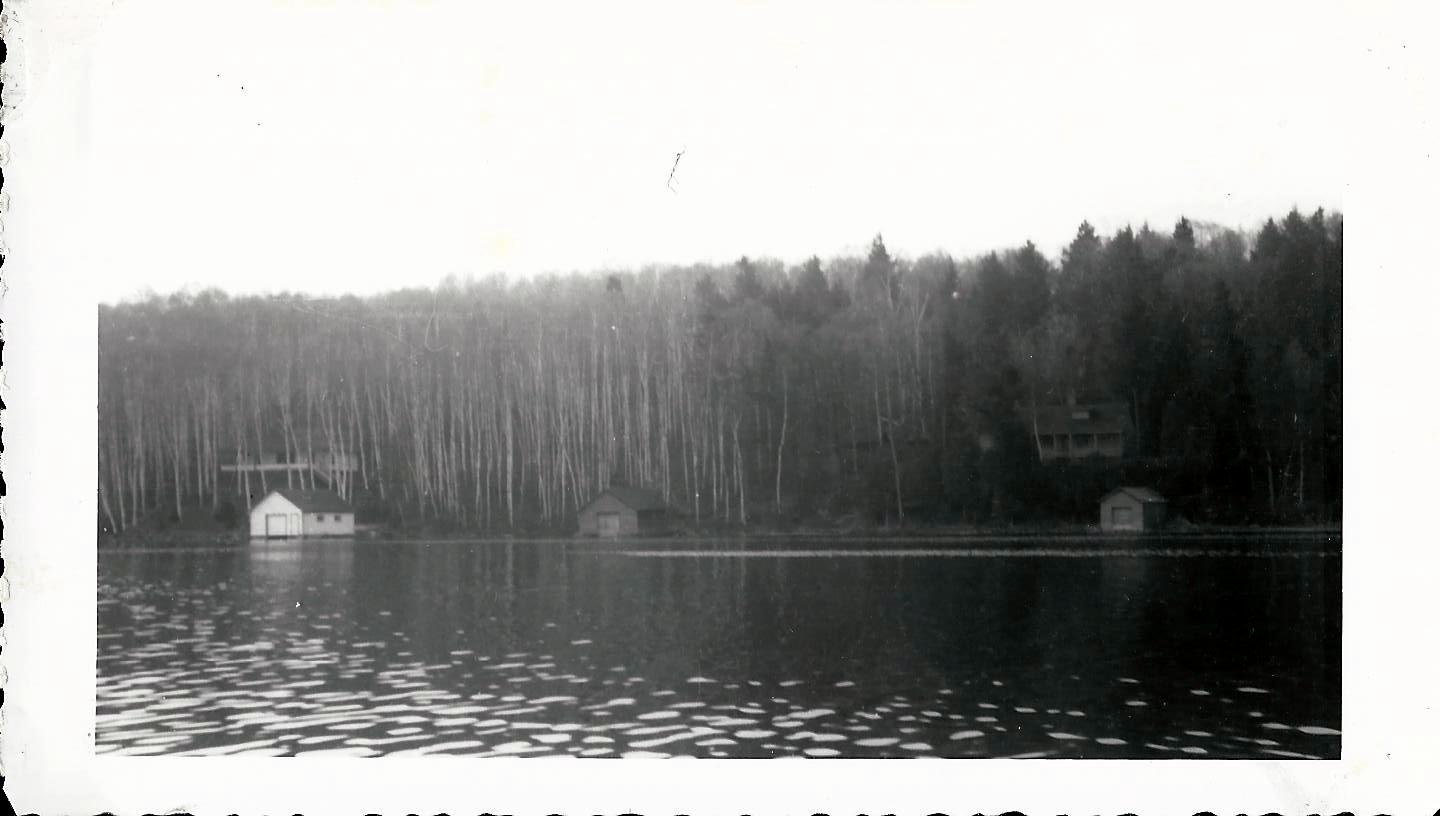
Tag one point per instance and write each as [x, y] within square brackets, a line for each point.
[638, 499]
[1144, 495]
[314, 501]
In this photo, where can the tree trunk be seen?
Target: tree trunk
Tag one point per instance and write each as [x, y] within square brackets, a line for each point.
[739, 467]
[784, 426]
[105, 505]
[895, 463]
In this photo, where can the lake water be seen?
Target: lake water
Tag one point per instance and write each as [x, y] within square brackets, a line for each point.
[1056, 648]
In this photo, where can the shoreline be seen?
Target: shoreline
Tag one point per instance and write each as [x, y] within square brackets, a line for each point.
[1020, 538]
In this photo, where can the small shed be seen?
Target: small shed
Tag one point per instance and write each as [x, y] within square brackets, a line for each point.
[1132, 509]
[622, 511]
[289, 513]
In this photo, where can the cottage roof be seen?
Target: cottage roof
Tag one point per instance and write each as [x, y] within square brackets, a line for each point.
[314, 501]
[1143, 495]
[1093, 418]
[638, 499]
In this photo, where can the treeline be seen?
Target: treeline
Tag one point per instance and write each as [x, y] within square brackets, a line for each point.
[872, 388]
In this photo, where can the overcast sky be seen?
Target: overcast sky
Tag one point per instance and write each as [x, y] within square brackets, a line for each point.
[359, 146]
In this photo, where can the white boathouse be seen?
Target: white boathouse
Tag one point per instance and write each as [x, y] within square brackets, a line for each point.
[287, 513]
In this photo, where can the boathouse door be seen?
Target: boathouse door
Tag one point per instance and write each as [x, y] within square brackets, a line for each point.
[276, 526]
[609, 525]
[1122, 518]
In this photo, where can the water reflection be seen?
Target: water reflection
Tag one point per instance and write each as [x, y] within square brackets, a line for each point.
[516, 648]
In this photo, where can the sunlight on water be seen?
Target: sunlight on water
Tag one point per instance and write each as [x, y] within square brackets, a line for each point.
[299, 657]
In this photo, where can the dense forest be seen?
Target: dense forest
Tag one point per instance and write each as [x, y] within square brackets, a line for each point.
[862, 390]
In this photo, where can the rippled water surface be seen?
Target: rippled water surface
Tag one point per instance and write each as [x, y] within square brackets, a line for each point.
[1206, 649]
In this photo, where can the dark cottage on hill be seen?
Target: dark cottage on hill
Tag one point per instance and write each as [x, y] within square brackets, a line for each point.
[1078, 431]
[287, 513]
[1132, 509]
[623, 511]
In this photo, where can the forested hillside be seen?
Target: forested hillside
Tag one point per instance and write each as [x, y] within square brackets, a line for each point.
[874, 389]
